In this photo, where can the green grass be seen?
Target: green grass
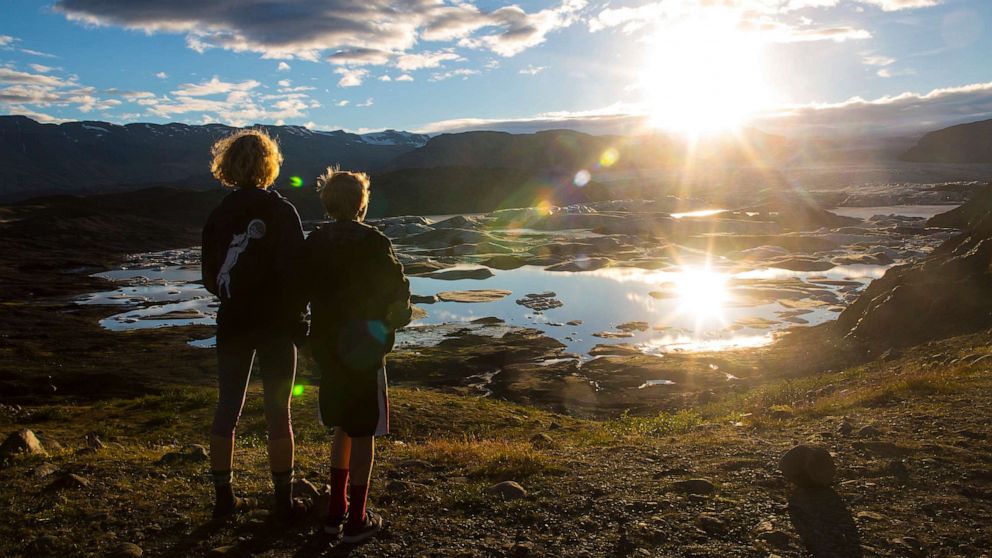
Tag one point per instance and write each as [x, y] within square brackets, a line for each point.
[662, 424]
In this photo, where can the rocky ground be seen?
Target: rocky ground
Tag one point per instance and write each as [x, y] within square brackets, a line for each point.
[111, 465]
[909, 436]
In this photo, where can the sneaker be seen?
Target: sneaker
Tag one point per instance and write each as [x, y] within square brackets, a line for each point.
[334, 525]
[223, 510]
[372, 525]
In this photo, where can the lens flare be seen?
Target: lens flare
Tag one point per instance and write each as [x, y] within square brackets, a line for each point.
[298, 390]
[295, 181]
[609, 157]
[582, 178]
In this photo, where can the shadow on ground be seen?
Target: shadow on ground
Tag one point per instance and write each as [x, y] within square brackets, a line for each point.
[824, 523]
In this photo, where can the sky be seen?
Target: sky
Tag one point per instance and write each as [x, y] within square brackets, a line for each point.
[815, 67]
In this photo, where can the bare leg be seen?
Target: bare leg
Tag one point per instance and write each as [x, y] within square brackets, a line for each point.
[362, 457]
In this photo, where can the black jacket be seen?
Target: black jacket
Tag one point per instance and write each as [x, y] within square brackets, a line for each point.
[253, 256]
[358, 293]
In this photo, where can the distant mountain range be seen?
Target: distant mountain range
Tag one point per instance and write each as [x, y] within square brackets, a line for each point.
[468, 171]
[964, 143]
[86, 156]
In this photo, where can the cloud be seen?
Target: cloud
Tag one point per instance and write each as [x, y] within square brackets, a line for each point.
[307, 28]
[283, 67]
[418, 61]
[532, 70]
[463, 73]
[214, 87]
[342, 103]
[8, 75]
[404, 77]
[904, 114]
[878, 60]
[384, 77]
[37, 53]
[360, 57]
[351, 77]
[893, 5]
[284, 83]
[6, 40]
[365, 103]
[40, 68]
[768, 20]
[161, 75]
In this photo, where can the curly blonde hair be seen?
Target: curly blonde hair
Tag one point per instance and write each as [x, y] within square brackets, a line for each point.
[246, 159]
[345, 194]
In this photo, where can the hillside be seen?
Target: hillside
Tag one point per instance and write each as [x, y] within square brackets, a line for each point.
[85, 156]
[964, 143]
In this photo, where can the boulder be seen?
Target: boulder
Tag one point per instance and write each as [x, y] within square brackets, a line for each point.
[480, 295]
[694, 486]
[507, 490]
[23, 441]
[504, 262]
[459, 274]
[127, 550]
[808, 466]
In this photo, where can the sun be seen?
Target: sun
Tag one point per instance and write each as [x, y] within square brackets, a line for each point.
[702, 292]
[702, 76]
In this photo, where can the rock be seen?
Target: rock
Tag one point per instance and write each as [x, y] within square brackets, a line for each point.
[480, 295]
[68, 482]
[869, 432]
[883, 449]
[845, 427]
[22, 441]
[869, 516]
[801, 264]
[402, 487]
[540, 301]
[228, 550]
[507, 490]
[574, 322]
[127, 550]
[504, 262]
[423, 299]
[542, 440]
[581, 264]
[613, 334]
[194, 453]
[808, 466]
[711, 523]
[306, 489]
[459, 274]
[897, 468]
[633, 326]
[693, 486]
[488, 320]
[44, 470]
[93, 442]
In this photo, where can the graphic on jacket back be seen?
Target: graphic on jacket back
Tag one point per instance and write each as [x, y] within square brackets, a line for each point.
[256, 230]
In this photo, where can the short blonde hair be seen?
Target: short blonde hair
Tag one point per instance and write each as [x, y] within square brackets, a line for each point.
[246, 159]
[345, 194]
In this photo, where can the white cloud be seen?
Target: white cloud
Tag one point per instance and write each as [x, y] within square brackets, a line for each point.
[878, 60]
[532, 70]
[284, 83]
[37, 53]
[893, 5]
[405, 77]
[351, 77]
[463, 73]
[418, 61]
[8, 75]
[6, 40]
[40, 68]
[161, 75]
[360, 57]
[365, 103]
[342, 103]
[214, 87]
[385, 77]
[283, 67]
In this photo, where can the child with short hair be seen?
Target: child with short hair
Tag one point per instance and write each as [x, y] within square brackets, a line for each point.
[252, 249]
[359, 297]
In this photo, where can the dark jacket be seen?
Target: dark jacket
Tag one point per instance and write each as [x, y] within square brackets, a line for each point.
[253, 256]
[359, 296]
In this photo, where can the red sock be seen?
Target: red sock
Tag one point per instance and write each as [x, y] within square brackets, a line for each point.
[339, 501]
[359, 493]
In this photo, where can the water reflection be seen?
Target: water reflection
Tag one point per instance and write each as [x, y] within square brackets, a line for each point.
[697, 307]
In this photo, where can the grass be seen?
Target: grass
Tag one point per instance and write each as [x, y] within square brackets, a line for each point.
[662, 424]
[490, 459]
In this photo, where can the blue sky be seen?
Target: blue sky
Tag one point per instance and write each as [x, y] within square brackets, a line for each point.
[435, 65]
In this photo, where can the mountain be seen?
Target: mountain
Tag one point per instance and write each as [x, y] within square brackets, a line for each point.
[964, 143]
[85, 156]
[567, 151]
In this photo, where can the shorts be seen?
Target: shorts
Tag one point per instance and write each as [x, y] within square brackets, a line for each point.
[356, 401]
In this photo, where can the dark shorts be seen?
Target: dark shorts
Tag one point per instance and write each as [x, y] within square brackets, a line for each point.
[355, 400]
